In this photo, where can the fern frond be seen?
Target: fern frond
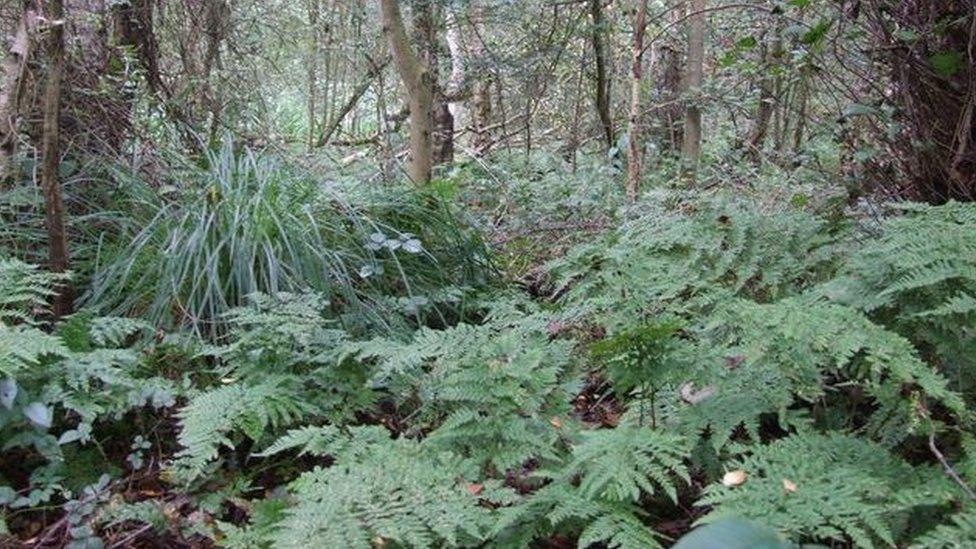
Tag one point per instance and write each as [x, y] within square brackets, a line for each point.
[812, 487]
[211, 418]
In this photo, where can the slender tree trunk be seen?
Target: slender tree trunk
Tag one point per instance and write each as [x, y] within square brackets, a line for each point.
[801, 115]
[134, 28]
[635, 137]
[14, 72]
[481, 83]
[417, 81]
[425, 30]
[375, 70]
[691, 146]
[771, 53]
[597, 36]
[51, 156]
[313, 68]
[574, 132]
[670, 113]
[457, 84]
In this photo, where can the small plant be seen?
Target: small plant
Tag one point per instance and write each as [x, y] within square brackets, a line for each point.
[639, 360]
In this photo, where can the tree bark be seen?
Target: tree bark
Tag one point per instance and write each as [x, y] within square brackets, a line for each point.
[417, 81]
[771, 53]
[691, 146]
[313, 68]
[14, 72]
[635, 137]
[134, 28]
[481, 84]
[51, 155]
[670, 112]
[597, 36]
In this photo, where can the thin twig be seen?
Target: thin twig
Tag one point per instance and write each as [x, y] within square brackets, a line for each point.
[949, 470]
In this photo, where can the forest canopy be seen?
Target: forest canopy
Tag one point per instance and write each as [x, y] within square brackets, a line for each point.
[484, 273]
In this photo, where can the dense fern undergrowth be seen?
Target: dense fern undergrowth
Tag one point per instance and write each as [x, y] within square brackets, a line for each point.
[268, 359]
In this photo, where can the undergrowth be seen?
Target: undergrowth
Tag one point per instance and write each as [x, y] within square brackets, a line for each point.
[704, 356]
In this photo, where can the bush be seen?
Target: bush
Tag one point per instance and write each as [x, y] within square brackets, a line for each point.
[247, 224]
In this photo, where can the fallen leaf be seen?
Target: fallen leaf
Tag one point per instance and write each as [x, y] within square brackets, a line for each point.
[475, 489]
[554, 421]
[378, 541]
[734, 478]
[789, 485]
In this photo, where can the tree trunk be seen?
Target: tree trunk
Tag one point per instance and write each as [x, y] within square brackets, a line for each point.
[425, 39]
[635, 138]
[313, 68]
[14, 72]
[597, 36]
[691, 146]
[480, 85]
[670, 114]
[51, 155]
[134, 28]
[771, 53]
[417, 81]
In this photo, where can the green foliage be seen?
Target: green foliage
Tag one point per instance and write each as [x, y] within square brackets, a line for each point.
[771, 357]
[24, 291]
[487, 392]
[732, 533]
[684, 257]
[960, 532]
[246, 223]
[397, 492]
[919, 277]
[830, 488]
[211, 418]
[620, 464]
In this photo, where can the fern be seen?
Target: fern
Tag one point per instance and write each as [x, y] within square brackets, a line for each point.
[397, 493]
[23, 347]
[24, 290]
[818, 487]
[595, 492]
[689, 257]
[212, 418]
[919, 278]
[329, 441]
[960, 533]
[620, 464]
[767, 358]
[499, 395]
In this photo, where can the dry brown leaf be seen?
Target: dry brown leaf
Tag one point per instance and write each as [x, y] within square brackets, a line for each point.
[475, 489]
[734, 478]
[555, 422]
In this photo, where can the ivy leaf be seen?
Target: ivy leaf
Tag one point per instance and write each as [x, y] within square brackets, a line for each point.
[413, 246]
[39, 414]
[8, 392]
